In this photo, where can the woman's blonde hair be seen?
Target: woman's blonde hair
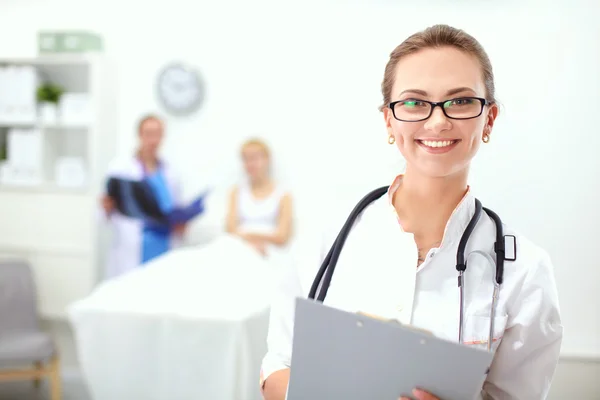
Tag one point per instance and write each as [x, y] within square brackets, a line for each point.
[258, 143]
[435, 37]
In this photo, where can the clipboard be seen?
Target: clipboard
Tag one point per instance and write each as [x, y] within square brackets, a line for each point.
[342, 355]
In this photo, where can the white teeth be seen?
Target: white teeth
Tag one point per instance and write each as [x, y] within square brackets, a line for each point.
[433, 143]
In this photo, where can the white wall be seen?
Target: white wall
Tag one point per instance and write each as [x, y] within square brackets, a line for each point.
[306, 76]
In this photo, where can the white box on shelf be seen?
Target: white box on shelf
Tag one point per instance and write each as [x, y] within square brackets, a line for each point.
[23, 165]
[32, 155]
[15, 146]
[4, 93]
[4, 171]
[47, 113]
[70, 172]
[24, 148]
[26, 92]
[18, 94]
[75, 109]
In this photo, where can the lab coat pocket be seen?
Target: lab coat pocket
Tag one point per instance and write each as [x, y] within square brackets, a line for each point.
[477, 331]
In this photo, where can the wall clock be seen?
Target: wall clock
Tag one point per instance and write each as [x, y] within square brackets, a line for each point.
[180, 89]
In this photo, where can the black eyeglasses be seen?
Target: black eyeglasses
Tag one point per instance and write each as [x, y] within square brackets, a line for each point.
[415, 110]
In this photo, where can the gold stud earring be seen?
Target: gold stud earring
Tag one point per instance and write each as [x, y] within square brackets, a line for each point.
[486, 138]
[391, 139]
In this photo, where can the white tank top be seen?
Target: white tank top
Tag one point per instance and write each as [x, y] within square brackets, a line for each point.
[258, 215]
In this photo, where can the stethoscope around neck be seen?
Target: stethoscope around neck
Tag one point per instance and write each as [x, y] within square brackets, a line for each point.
[325, 273]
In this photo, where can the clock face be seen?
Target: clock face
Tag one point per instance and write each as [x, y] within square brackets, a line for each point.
[180, 89]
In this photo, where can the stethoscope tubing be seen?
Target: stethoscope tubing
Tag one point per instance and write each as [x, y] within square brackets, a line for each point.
[325, 272]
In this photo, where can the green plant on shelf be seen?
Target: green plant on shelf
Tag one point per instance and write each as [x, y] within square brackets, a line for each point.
[49, 93]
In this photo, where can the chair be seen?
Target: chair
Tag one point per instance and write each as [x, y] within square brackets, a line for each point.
[26, 352]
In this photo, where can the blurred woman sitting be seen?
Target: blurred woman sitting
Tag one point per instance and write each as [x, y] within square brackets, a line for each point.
[260, 211]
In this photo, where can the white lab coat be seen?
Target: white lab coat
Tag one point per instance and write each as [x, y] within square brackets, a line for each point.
[125, 249]
[376, 273]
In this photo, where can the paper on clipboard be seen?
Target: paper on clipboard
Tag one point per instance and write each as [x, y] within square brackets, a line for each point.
[342, 355]
[393, 321]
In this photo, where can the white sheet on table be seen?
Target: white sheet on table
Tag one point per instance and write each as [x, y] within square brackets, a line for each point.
[225, 279]
[191, 324]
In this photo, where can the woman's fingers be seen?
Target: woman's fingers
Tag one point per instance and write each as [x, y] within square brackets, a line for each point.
[420, 395]
[423, 395]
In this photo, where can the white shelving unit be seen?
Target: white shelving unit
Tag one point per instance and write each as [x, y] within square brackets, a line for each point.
[55, 226]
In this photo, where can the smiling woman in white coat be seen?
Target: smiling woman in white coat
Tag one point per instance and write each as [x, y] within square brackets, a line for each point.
[399, 260]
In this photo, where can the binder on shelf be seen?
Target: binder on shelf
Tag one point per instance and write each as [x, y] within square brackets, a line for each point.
[18, 104]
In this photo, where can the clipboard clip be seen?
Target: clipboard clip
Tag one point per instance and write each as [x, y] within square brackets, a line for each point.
[393, 321]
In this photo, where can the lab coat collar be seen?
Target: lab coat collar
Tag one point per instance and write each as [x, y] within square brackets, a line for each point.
[458, 221]
[138, 160]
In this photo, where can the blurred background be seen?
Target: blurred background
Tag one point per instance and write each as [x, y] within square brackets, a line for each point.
[77, 76]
